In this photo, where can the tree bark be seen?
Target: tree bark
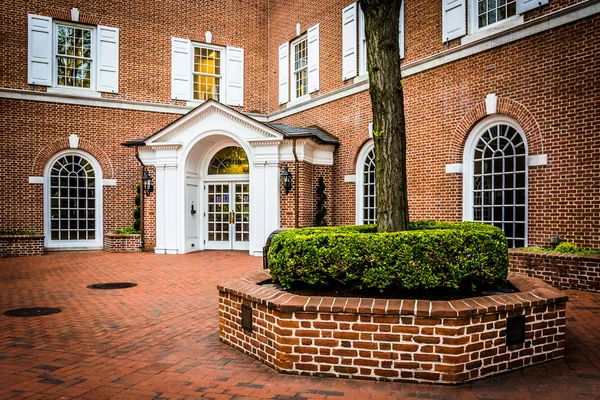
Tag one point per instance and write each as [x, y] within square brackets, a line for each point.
[387, 101]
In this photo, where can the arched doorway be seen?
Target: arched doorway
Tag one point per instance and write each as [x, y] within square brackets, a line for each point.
[495, 177]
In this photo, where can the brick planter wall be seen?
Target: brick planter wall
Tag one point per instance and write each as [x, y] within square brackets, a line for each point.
[445, 342]
[21, 245]
[564, 271]
[118, 243]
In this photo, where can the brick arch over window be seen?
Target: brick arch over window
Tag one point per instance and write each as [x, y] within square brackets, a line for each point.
[37, 168]
[505, 106]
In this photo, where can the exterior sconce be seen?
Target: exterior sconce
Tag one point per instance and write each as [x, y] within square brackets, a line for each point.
[147, 183]
[287, 180]
[554, 240]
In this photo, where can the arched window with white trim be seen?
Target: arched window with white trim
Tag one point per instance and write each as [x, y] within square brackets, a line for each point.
[73, 199]
[366, 199]
[495, 177]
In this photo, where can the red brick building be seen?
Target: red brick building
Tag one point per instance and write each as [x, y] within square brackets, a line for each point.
[219, 97]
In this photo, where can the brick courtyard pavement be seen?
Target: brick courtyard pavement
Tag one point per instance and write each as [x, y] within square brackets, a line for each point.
[160, 339]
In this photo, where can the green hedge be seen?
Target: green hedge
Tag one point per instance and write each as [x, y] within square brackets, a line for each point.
[429, 255]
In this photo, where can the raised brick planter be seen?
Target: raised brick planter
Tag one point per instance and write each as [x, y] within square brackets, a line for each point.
[21, 245]
[445, 342]
[564, 271]
[119, 243]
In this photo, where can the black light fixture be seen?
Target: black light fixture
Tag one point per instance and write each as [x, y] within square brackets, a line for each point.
[147, 183]
[287, 180]
[554, 240]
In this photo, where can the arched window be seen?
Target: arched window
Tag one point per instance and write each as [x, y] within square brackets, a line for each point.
[229, 161]
[366, 204]
[73, 201]
[496, 170]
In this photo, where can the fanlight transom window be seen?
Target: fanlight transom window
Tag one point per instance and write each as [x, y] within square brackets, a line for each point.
[500, 182]
[72, 199]
[369, 197]
[229, 161]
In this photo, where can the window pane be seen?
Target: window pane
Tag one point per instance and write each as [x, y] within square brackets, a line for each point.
[230, 160]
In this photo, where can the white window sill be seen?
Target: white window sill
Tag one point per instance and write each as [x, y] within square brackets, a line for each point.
[493, 29]
[74, 92]
[298, 100]
[361, 78]
[194, 103]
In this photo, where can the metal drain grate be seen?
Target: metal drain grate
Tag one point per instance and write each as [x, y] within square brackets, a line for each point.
[32, 312]
[112, 285]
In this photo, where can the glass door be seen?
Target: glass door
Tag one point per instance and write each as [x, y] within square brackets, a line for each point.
[228, 216]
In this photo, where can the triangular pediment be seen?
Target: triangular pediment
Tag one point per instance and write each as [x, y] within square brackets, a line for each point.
[207, 109]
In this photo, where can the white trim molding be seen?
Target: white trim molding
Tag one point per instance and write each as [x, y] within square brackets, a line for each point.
[350, 178]
[491, 103]
[109, 182]
[73, 141]
[537, 160]
[360, 178]
[454, 168]
[36, 180]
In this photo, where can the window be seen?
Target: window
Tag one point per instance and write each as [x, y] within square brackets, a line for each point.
[366, 199]
[229, 161]
[497, 172]
[492, 11]
[207, 73]
[300, 67]
[74, 56]
[74, 192]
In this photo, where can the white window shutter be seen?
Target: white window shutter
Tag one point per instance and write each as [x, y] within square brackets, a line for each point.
[39, 50]
[526, 5]
[454, 23]
[401, 26]
[284, 73]
[181, 69]
[313, 58]
[349, 31]
[108, 59]
[235, 76]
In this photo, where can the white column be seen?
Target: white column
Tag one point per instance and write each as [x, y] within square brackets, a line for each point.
[272, 198]
[170, 211]
[160, 209]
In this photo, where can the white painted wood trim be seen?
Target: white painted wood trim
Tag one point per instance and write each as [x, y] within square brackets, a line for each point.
[92, 94]
[36, 180]
[537, 160]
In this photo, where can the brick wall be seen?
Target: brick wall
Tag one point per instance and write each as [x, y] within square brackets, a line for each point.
[21, 245]
[117, 243]
[425, 341]
[564, 271]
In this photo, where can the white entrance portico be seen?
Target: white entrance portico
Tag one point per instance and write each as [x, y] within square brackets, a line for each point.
[217, 181]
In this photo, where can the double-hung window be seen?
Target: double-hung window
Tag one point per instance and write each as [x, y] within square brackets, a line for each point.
[300, 67]
[492, 11]
[207, 73]
[299, 64]
[74, 56]
[70, 55]
[201, 71]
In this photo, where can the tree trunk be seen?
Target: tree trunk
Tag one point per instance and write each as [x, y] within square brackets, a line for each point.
[387, 101]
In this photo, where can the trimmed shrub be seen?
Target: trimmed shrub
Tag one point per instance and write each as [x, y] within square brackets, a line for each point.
[566, 247]
[429, 255]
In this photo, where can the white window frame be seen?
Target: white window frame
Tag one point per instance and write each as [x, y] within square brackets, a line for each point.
[55, 55]
[360, 179]
[223, 76]
[293, 71]
[96, 243]
[469, 152]
[476, 33]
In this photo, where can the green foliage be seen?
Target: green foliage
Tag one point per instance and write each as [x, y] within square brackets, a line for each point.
[136, 210]
[566, 247]
[128, 231]
[429, 255]
[322, 198]
[18, 232]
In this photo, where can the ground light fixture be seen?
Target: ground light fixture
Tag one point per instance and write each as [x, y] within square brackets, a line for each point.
[287, 180]
[147, 183]
[554, 240]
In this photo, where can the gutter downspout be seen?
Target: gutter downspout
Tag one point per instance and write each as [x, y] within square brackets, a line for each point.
[137, 155]
[296, 169]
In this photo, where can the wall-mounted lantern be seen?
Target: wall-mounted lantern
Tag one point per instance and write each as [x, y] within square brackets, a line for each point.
[287, 180]
[147, 183]
[554, 240]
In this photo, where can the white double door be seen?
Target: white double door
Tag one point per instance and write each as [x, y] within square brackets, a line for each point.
[227, 219]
